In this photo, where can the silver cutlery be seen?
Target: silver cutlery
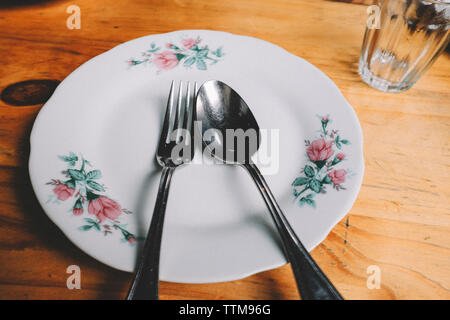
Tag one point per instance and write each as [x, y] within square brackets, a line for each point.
[219, 107]
[177, 128]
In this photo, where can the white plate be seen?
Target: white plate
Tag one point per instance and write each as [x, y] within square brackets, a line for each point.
[217, 228]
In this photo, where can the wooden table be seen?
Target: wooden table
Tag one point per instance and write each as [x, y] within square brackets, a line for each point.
[400, 221]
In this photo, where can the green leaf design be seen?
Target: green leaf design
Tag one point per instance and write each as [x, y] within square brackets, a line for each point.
[309, 171]
[78, 204]
[345, 141]
[71, 158]
[89, 220]
[85, 227]
[180, 56]
[320, 163]
[218, 53]
[153, 50]
[300, 181]
[94, 185]
[311, 202]
[202, 53]
[94, 174]
[70, 183]
[201, 65]
[189, 61]
[338, 142]
[302, 201]
[76, 174]
[91, 195]
[315, 185]
[308, 200]
[326, 179]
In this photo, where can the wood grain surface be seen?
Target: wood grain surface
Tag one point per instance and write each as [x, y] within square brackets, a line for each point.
[400, 221]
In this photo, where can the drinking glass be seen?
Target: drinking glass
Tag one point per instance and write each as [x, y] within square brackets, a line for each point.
[410, 36]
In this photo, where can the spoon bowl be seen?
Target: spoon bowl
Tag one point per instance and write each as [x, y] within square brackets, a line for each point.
[227, 119]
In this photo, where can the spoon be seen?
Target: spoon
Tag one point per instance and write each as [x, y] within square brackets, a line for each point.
[219, 107]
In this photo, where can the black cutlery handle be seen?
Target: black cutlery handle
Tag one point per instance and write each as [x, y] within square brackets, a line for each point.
[311, 281]
[146, 280]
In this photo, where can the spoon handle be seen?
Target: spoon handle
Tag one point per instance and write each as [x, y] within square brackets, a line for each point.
[312, 283]
[146, 279]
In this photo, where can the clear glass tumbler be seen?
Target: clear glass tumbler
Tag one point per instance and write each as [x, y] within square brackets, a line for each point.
[411, 35]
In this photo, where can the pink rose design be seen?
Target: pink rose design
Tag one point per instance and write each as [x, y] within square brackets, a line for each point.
[131, 240]
[63, 192]
[320, 150]
[189, 43]
[341, 156]
[77, 211]
[165, 60]
[337, 176]
[325, 119]
[168, 45]
[103, 207]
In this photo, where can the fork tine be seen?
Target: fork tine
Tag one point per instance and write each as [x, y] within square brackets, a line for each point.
[166, 129]
[194, 97]
[188, 120]
[187, 108]
[179, 113]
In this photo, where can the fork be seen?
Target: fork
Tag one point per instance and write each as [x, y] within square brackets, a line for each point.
[178, 116]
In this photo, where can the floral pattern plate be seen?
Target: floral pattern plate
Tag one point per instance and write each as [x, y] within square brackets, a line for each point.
[93, 168]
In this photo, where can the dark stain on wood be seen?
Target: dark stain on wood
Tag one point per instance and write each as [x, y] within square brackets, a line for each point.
[347, 224]
[25, 3]
[28, 93]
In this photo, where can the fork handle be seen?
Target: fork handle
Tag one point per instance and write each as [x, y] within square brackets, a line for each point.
[146, 280]
[312, 283]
